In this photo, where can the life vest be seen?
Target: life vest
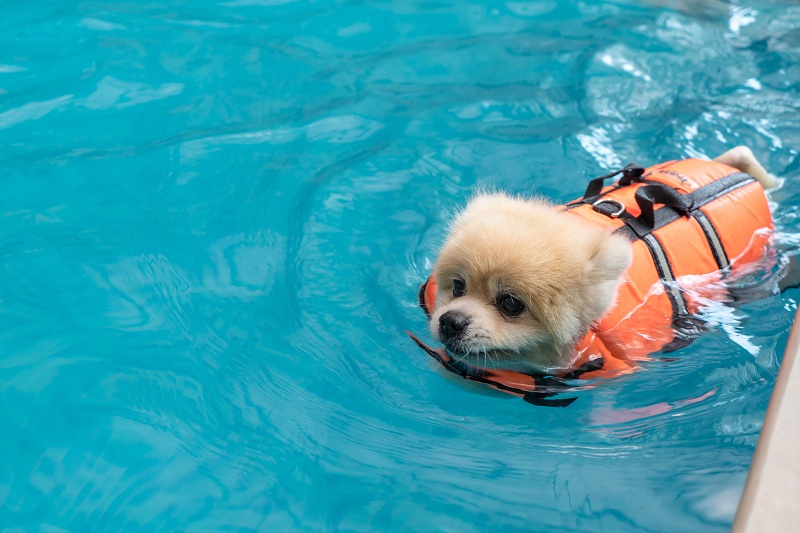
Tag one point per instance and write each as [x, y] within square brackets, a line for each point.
[714, 221]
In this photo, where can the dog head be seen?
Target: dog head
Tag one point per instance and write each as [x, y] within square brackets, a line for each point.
[518, 282]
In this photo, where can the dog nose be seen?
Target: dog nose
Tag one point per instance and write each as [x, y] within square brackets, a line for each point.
[452, 324]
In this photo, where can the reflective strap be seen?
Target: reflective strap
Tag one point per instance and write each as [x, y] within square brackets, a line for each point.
[713, 239]
[664, 269]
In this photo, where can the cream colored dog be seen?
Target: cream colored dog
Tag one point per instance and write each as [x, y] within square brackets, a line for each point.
[519, 282]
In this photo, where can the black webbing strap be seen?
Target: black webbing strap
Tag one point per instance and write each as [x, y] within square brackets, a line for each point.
[550, 385]
[421, 298]
[677, 205]
[630, 173]
[546, 386]
[658, 193]
[637, 228]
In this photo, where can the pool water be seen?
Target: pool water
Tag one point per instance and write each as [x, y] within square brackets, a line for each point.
[215, 217]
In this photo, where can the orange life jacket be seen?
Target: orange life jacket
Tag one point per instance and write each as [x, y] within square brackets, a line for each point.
[714, 220]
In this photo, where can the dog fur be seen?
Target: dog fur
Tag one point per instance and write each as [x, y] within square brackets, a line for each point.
[520, 282]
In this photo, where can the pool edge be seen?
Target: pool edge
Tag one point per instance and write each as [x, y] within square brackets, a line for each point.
[769, 500]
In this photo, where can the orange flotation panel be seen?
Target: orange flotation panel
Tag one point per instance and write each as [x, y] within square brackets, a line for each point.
[691, 223]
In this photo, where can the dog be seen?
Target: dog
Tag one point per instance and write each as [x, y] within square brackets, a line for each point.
[519, 282]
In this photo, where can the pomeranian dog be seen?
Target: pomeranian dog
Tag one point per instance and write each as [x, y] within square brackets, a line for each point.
[519, 282]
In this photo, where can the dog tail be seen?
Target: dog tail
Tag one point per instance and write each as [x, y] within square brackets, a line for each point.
[742, 158]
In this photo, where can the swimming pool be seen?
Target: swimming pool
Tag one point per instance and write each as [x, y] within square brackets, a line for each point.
[215, 216]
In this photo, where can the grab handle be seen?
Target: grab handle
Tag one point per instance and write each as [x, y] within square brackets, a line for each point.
[630, 173]
[657, 193]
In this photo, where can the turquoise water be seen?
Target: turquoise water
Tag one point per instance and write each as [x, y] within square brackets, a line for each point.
[215, 217]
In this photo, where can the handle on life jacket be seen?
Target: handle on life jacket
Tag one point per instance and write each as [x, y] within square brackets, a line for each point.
[658, 193]
[630, 174]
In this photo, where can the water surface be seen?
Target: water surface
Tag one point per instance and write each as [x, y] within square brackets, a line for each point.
[215, 216]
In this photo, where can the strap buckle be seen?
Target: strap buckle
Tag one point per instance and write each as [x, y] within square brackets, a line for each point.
[620, 207]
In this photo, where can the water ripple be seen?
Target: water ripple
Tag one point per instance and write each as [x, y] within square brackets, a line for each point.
[216, 216]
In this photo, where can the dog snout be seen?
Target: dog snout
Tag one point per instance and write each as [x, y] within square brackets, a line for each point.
[452, 324]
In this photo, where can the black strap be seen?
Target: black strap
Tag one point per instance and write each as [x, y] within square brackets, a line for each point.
[687, 329]
[630, 173]
[588, 366]
[546, 386]
[540, 401]
[677, 205]
[636, 228]
[550, 385]
[658, 193]
[421, 297]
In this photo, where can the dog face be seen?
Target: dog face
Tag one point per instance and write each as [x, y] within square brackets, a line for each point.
[518, 283]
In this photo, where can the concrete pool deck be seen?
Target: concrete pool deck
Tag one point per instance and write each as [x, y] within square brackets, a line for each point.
[770, 498]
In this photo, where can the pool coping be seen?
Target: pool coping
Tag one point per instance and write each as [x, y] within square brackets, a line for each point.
[769, 501]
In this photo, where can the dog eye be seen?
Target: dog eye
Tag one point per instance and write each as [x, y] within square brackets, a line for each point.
[509, 305]
[459, 287]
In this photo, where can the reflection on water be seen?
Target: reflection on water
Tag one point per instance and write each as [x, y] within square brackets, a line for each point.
[215, 217]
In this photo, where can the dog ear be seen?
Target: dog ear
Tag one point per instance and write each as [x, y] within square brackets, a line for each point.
[605, 259]
[609, 258]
